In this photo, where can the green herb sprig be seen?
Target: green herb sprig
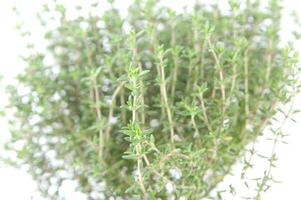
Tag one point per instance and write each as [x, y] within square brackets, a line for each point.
[155, 105]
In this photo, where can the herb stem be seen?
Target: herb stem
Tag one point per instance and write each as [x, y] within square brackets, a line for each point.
[111, 110]
[246, 85]
[204, 111]
[221, 77]
[99, 117]
[165, 98]
[138, 146]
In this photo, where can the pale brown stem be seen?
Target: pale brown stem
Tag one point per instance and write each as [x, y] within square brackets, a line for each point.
[174, 78]
[164, 94]
[99, 116]
[175, 70]
[246, 85]
[196, 130]
[204, 111]
[111, 110]
[143, 117]
[122, 104]
[221, 77]
[139, 173]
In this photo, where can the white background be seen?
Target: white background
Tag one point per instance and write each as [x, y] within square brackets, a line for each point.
[17, 185]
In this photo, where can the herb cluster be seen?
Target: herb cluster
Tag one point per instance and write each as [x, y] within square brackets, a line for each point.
[155, 105]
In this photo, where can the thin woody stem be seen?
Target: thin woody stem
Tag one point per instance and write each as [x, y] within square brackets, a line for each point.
[246, 85]
[204, 111]
[165, 98]
[139, 174]
[221, 77]
[196, 131]
[111, 110]
[175, 59]
[99, 117]
[122, 104]
[138, 146]
[143, 117]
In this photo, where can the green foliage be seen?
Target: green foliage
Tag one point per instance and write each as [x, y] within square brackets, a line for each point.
[158, 111]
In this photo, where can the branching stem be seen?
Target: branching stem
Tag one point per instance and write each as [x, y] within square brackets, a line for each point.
[221, 77]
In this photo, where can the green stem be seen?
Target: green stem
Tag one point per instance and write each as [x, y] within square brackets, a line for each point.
[175, 59]
[111, 110]
[99, 117]
[196, 130]
[165, 98]
[138, 146]
[221, 77]
[204, 111]
[246, 84]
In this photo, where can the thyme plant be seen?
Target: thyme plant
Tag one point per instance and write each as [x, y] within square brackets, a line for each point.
[155, 105]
